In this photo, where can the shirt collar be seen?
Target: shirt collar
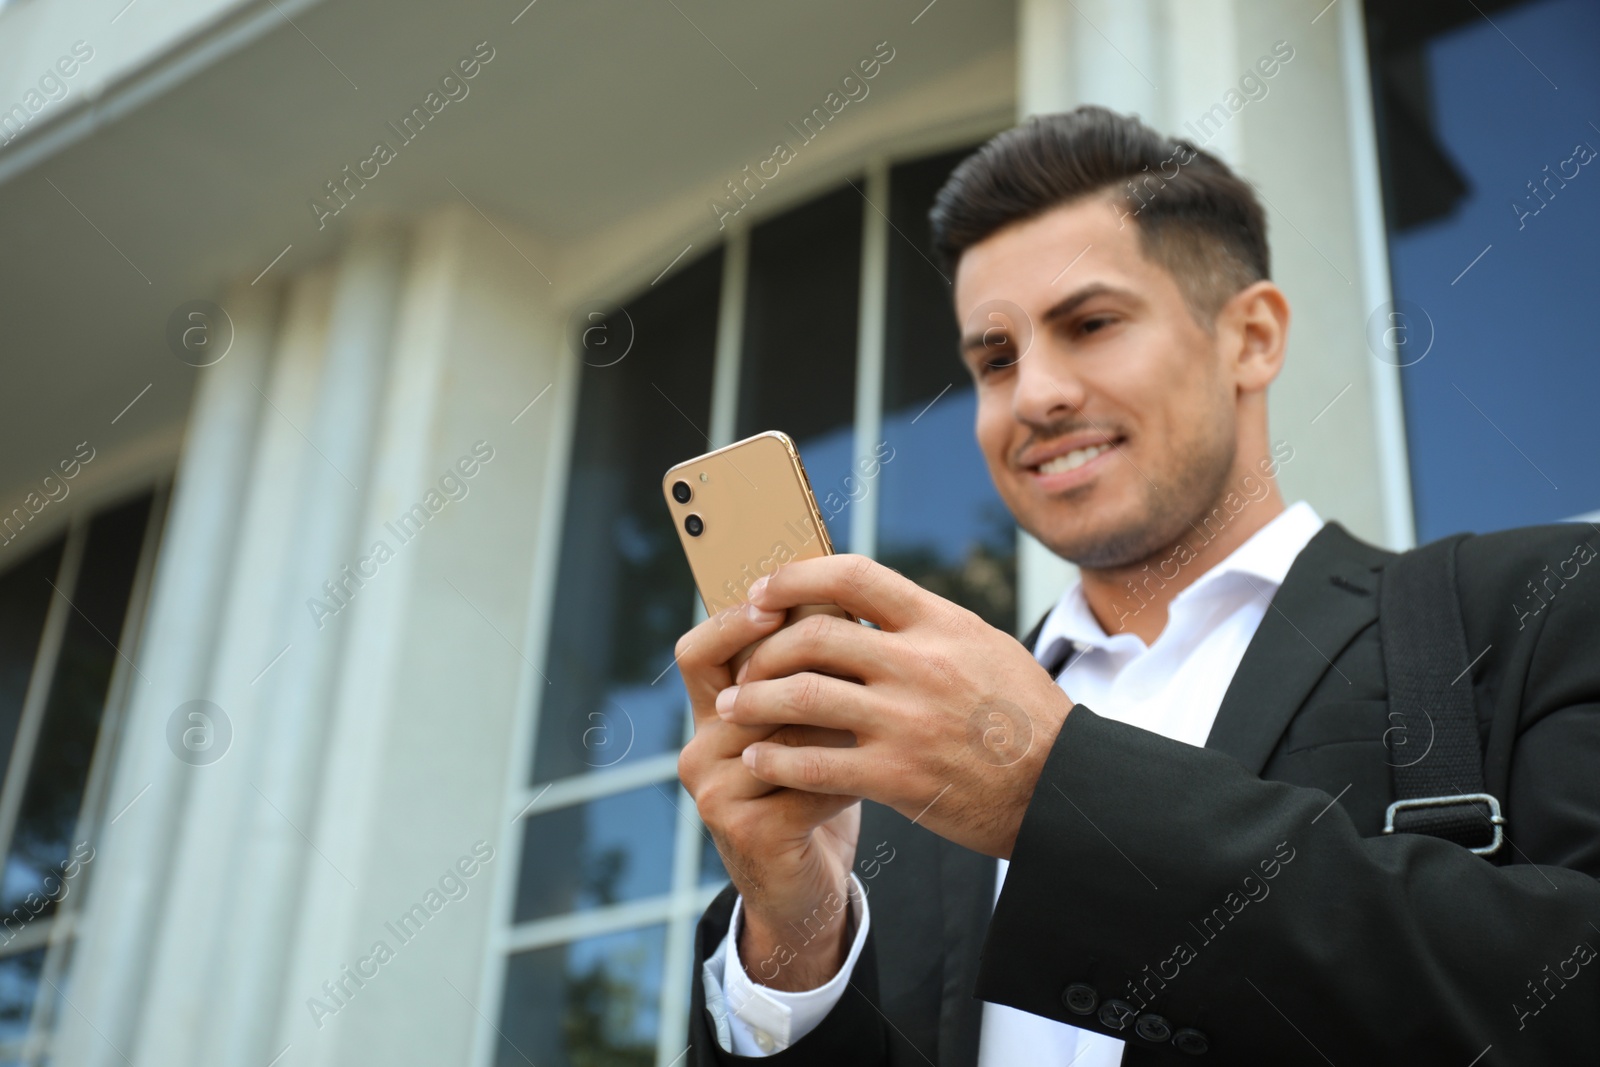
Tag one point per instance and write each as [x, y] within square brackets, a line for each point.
[1264, 560]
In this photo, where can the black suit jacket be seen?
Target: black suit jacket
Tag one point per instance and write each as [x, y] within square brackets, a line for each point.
[1245, 890]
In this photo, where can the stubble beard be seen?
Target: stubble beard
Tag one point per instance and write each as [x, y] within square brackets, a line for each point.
[1171, 503]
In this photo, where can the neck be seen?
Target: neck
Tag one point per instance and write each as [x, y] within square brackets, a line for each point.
[1134, 598]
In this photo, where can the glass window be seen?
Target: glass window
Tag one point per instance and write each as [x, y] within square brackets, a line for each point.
[940, 521]
[1493, 198]
[589, 1003]
[19, 983]
[599, 877]
[799, 368]
[584, 856]
[624, 595]
[24, 598]
[42, 843]
[67, 620]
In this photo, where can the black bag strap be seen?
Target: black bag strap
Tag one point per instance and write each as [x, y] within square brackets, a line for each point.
[1435, 756]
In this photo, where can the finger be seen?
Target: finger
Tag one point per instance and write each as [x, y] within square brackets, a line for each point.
[862, 586]
[807, 699]
[703, 652]
[840, 771]
[717, 739]
[823, 643]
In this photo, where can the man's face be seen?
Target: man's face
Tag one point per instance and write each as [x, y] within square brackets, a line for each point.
[1117, 425]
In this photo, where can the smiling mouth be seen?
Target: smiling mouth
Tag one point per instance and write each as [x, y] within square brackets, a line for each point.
[1072, 460]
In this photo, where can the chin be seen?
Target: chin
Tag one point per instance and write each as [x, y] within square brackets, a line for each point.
[1094, 537]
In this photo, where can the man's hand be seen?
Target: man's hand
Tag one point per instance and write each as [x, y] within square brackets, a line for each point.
[952, 718]
[789, 853]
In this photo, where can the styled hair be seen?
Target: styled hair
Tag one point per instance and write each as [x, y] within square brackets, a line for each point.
[1196, 217]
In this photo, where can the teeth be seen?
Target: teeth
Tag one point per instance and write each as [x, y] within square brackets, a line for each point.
[1071, 460]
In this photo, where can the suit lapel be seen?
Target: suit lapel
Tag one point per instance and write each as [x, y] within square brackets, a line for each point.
[1328, 596]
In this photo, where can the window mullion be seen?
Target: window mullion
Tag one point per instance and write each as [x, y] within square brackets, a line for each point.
[872, 318]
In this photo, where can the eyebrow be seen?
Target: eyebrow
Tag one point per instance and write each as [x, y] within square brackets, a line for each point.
[1061, 309]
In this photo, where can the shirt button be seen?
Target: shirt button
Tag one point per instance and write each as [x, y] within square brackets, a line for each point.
[1191, 1041]
[1080, 999]
[1116, 1014]
[763, 1040]
[1152, 1027]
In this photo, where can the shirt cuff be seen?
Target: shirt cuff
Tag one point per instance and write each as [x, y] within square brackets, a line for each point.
[756, 1020]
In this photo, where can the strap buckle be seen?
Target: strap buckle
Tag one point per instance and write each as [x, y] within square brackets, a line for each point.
[1496, 820]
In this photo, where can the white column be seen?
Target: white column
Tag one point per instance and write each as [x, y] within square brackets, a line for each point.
[462, 666]
[297, 692]
[122, 917]
[187, 972]
[327, 933]
[1394, 465]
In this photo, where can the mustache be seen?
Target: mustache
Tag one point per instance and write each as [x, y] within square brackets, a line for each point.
[1043, 435]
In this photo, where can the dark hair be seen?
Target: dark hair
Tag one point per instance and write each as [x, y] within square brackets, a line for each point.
[1196, 217]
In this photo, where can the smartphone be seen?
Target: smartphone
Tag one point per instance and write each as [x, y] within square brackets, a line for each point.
[740, 511]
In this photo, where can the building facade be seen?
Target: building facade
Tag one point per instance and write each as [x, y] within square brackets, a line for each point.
[338, 672]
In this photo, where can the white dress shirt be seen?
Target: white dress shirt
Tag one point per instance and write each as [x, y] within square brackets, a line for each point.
[1172, 688]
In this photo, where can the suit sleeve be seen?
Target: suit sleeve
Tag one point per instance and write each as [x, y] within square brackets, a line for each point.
[852, 1034]
[1159, 889]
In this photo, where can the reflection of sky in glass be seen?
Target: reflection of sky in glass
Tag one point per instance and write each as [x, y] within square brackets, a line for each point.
[936, 489]
[644, 720]
[607, 851]
[1515, 335]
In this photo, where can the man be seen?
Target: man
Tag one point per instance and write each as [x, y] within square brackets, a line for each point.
[1197, 867]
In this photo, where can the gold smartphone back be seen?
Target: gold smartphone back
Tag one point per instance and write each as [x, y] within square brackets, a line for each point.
[755, 510]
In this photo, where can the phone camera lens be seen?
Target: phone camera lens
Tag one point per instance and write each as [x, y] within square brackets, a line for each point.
[694, 526]
[681, 492]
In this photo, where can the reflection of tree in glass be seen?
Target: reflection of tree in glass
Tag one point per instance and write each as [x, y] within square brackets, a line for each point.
[601, 874]
[984, 582]
[601, 1025]
[657, 590]
[61, 758]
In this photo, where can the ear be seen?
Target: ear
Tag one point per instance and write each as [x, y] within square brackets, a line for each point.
[1254, 326]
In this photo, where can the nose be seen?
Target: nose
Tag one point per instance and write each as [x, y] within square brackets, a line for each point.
[1047, 390]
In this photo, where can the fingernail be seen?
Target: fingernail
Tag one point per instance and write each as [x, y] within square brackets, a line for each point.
[726, 698]
[758, 587]
[749, 757]
[744, 668]
[755, 613]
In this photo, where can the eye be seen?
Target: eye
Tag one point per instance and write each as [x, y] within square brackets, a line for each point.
[996, 357]
[1095, 323]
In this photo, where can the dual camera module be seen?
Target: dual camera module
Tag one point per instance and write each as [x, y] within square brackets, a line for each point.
[683, 494]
